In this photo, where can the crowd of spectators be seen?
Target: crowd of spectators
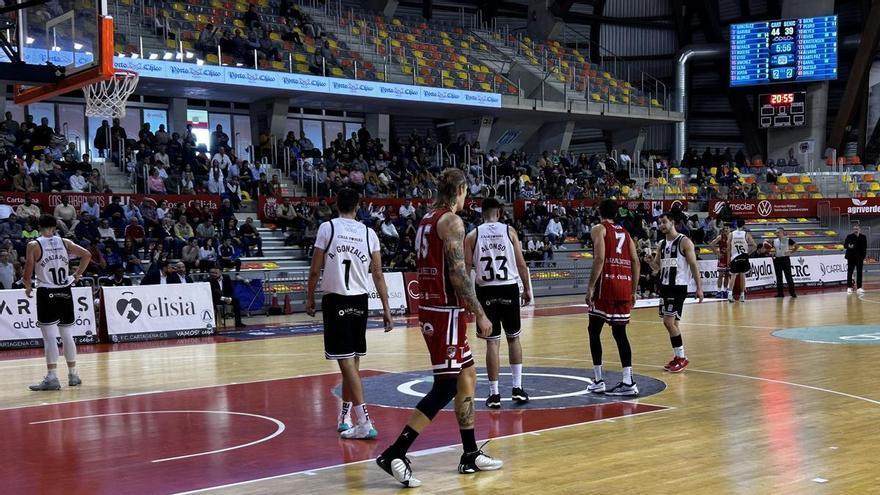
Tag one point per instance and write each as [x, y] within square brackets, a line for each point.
[137, 237]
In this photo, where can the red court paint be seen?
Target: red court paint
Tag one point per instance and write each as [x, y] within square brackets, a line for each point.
[114, 454]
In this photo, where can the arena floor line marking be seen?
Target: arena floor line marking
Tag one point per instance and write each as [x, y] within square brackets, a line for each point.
[735, 375]
[280, 427]
[660, 322]
[434, 450]
[44, 404]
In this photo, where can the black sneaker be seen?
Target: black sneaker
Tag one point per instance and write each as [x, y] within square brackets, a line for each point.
[520, 396]
[399, 468]
[478, 461]
[494, 401]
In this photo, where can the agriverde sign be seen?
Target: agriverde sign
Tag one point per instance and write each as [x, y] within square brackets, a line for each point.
[789, 208]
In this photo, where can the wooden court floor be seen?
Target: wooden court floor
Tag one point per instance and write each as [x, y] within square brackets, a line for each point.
[753, 414]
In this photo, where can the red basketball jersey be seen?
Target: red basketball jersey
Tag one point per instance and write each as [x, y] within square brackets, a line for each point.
[723, 251]
[434, 284]
[615, 283]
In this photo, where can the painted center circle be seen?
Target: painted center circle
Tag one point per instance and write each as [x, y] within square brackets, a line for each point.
[833, 334]
[547, 388]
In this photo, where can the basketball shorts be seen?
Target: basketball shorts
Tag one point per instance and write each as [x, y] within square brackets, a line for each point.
[345, 325]
[55, 306]
[445, 333]
[612, 312]
[672, 300]
[740, 264]
[501, 304]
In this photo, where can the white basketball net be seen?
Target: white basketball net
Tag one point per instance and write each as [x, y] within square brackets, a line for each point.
[107, 98]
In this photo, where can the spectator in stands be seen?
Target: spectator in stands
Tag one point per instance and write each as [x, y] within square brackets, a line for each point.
[11, 229]
[23, 182]
[7, 270]
[86, 228]
[388, 232]
[554, 231]
[183, 232]
[221, 289]
[162, 27]
[251, 17]
[5, 209]
[65, 213]
[77, 181]
[102, 134]
[323, 212]
[134, 233]
[208, 40]
[207, 256]
[407, 211]
[285, 214]
[91, 207]
[270, 49]
[772, 173]
[250, 237]
[220, 139]
[221, 158]
[229, 255]
[155, 184]
[28, 210]
[546, 249]
[165, 273]
[287, 33]
[116, 279]
[97, 183]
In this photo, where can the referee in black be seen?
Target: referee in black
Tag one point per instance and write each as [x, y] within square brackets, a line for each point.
[856, 245]
[783, 246]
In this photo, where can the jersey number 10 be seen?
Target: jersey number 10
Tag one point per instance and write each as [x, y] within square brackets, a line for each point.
[59, 276]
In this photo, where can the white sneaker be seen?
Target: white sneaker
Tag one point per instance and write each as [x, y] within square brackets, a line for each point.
[478, 461]
[343, 424]
[849, 291]
[624, 389]
[398, 468]
[597, 387]
[364, 431]
[861, 291]
[742, 297]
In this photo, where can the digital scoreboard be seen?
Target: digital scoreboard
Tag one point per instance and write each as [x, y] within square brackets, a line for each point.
[782, 110]
[790, 50]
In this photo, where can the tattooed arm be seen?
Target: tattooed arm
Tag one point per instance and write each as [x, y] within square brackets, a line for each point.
[450, 228]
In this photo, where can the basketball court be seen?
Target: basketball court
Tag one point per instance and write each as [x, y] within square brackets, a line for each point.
[776, 400]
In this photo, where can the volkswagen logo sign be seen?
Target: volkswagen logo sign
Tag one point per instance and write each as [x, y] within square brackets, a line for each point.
[765, 208]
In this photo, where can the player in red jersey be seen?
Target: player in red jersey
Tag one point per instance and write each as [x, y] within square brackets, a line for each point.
[446, 292]
[611, 295]
[722, 249]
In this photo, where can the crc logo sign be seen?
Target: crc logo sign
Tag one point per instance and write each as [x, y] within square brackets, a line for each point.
[765, 208]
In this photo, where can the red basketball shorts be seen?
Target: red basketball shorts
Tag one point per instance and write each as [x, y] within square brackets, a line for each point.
[445, 333]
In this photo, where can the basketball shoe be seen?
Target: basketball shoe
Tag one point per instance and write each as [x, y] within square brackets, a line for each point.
[621, 388]
[398, 467]
[520, 396]
[677, 365]
[48, 383]
[597, 387]
[849, 291]
[363, 431]
[494, 401]
[478, 461]
[73, 380]
[860, 291]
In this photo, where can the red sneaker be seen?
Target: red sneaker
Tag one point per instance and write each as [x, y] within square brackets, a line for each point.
[671, 364]
[678, 365]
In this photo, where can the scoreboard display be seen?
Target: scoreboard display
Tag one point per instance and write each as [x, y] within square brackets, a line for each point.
[790, 50]
[782, 110]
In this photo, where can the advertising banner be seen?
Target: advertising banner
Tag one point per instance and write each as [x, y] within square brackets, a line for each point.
[18, 319]
[796, 208]
[147, 312]
[413, 294]
[828, 269]
[240, 76]
[396, 294]
[48, 201]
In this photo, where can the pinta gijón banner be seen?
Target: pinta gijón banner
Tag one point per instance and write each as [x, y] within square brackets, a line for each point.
[213, 74]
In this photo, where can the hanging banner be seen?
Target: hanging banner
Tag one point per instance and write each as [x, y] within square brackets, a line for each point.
[147, 312]
[48, 201]
[18, 319]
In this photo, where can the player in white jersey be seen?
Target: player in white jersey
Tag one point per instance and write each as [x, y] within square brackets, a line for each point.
[676, 261]
[48, 260]
[493, 250]
[741, 246]
[348, 251]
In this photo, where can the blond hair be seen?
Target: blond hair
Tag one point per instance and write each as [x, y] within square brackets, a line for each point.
[451, 181]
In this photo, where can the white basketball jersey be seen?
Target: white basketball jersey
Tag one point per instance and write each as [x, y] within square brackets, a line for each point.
[494, 258]
[738, 244]
[674, 269]
[348, 246]
[52, 269]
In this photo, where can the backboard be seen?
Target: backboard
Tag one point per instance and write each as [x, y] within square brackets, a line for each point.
[76, 35]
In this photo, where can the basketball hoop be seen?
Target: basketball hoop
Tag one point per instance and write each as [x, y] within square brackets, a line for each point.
[107, 98]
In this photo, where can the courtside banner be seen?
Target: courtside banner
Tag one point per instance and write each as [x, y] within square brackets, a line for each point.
[396, 294]
[18, 319]
[48, 201]
[825, 269]
[796, 208]
[147, 312]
